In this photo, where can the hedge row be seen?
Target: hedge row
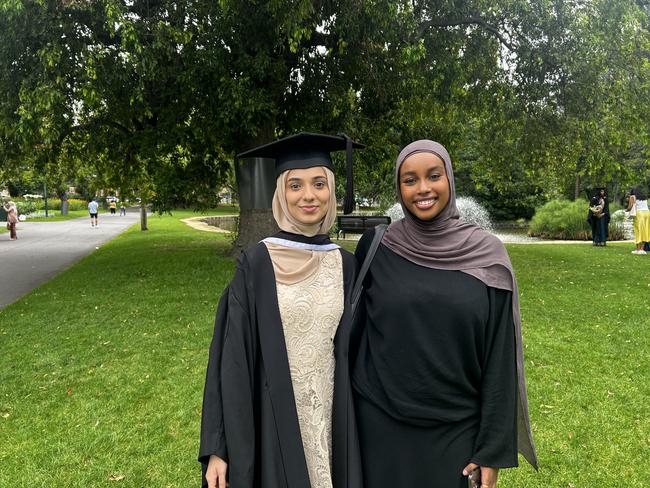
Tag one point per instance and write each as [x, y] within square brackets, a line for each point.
[26, 207]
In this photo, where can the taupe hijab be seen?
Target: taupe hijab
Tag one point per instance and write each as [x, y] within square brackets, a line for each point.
[445, 242]
[293, 264]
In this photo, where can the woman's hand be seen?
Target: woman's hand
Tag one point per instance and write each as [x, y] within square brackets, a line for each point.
[488, 475]
[216, 472]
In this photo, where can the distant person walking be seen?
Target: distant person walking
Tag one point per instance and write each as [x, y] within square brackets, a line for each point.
[122, 209]
[93, 208]
[12, 219]
[638, 208]
[112, 206]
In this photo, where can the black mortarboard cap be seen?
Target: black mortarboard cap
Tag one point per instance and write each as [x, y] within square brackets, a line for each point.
[306, 150]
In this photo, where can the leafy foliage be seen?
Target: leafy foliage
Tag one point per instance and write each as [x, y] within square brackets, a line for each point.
[561, 219]
[155, 98]
[564, 219]
[55, 203]
[26, 207]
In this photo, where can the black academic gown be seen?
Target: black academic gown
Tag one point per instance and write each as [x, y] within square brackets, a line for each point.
[594, 221]
[249, 416]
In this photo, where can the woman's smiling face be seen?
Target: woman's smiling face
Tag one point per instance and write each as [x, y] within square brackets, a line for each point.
[307, 194]
[424, 185]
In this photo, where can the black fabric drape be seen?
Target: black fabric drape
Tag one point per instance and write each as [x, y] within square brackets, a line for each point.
[436, 355]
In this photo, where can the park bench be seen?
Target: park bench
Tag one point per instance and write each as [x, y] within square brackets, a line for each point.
[358, 224]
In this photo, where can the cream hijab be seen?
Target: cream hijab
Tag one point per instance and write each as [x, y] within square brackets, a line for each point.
[285, 220]
[292, 265]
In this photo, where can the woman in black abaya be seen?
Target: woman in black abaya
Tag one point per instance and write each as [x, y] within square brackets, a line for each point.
[598, 217]
[438, 379]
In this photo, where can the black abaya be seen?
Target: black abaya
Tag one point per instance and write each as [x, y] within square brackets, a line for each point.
[435, 375]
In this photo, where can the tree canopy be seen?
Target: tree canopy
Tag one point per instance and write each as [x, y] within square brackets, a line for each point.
[532, 98]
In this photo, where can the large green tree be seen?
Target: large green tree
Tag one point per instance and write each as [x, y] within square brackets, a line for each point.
[573, 108]
[156, 96]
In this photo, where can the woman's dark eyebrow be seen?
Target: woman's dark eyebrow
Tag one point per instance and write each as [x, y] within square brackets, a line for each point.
[295, 178]
[437, 167]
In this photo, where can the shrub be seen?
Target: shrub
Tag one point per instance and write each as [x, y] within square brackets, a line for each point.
[52, 204]
[26, 206]
[77, 204]
[561, 219]
[564, 219]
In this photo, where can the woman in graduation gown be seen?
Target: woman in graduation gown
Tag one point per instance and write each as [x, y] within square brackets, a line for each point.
[277, 407]
[438, 379]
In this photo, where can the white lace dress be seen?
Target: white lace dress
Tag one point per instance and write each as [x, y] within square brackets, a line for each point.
[310, 311]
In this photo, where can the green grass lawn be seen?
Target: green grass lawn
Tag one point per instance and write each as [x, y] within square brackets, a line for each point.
[586, 316]
[102, 368]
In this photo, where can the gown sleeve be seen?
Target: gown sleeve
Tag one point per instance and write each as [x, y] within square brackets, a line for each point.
[213, 439]
[227, 422]
[359, 317]
[496, 443]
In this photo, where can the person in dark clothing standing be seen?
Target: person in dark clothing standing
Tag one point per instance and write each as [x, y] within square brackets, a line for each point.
[438, 378]
[277, 407]
[598, 217]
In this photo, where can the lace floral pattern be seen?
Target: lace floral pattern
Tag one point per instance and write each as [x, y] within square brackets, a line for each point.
[311, 310]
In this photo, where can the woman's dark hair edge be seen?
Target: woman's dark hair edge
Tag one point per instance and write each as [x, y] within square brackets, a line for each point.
[639, 193]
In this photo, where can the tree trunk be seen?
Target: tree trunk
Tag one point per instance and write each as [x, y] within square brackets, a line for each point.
[580, 164]
[254, 223]
[143, 216]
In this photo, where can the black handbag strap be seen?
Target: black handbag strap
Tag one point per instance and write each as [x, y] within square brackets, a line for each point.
[358, 286]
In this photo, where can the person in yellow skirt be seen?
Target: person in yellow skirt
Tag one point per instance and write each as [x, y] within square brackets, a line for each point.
[638, 208]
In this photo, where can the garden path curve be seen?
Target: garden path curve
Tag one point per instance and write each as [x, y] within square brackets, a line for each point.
[44, 249]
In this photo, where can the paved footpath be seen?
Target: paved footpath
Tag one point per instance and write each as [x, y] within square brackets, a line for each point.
[44, 249]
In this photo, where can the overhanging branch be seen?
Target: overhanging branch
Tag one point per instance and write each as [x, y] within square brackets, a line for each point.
[436, 24]
[93, 125]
